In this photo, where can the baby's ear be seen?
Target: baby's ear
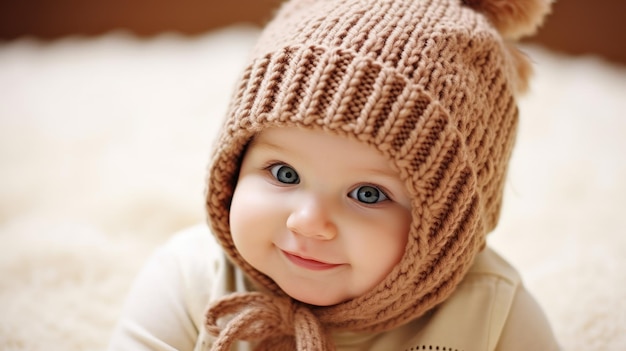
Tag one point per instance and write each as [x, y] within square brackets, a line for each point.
[514, 19]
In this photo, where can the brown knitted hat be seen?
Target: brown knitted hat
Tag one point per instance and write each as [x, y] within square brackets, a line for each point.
[429, 83]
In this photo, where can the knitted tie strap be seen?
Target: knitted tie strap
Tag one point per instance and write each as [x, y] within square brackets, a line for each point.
[277, 323]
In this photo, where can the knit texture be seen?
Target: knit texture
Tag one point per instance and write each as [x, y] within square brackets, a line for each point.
[431, 84]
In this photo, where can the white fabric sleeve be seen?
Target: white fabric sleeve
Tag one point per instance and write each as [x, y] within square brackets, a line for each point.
[164, 308]
[527, 327]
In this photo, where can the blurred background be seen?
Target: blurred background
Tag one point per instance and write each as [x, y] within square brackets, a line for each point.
[576, 27]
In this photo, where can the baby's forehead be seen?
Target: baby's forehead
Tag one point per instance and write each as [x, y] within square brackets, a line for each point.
[296, 136]
[331, 145]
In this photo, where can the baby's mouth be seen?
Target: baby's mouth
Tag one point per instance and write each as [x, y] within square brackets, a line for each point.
[309, 263]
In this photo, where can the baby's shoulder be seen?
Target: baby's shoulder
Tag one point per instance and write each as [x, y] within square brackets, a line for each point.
[489, 310]
[474, 316]
[197, 254]
[201, 265]
[489, 265]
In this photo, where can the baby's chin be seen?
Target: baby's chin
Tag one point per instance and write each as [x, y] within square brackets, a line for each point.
[314, 298]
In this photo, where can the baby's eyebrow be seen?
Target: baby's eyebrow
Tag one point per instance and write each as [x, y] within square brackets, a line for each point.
[264, 143]
[382, 172]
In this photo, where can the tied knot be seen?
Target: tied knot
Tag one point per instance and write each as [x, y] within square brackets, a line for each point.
[275, 323]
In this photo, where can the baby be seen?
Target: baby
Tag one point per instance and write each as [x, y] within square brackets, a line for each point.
[353, 184]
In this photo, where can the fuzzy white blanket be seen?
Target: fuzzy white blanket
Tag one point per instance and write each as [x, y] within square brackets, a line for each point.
[103, 148]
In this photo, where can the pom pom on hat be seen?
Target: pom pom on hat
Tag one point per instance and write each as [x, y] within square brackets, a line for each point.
[522, 69]
[514, 19]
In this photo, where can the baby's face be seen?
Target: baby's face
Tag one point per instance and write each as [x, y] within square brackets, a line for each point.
[323, 216]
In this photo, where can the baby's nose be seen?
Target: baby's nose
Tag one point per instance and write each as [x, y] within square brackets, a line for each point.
[311, 218]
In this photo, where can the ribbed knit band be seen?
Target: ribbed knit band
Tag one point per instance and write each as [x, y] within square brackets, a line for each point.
[429, 83]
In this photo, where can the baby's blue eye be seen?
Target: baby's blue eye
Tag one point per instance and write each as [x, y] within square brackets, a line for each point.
[285, 174]
[368, 194]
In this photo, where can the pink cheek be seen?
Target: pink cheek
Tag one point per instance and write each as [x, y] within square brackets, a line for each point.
[255, 201]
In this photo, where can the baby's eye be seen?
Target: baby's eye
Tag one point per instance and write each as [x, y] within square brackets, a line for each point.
[285, 174]
[368, 194]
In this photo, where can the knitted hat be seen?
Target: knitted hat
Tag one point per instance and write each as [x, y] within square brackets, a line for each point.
[431, 84]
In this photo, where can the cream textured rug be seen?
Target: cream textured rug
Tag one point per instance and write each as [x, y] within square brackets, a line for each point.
[103, 147]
